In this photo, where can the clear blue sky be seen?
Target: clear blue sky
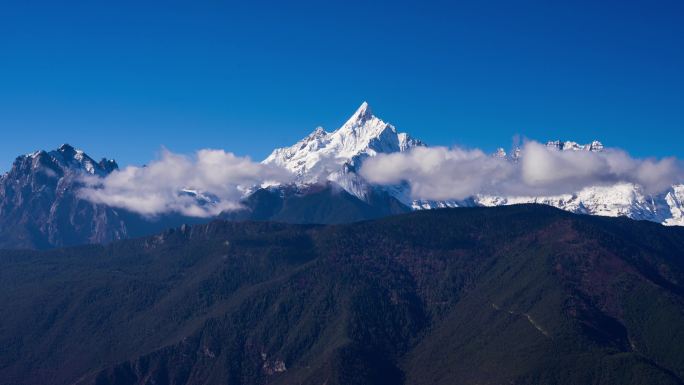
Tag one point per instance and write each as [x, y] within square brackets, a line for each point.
[122, 78]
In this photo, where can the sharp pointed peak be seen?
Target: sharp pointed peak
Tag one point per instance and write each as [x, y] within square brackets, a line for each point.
[66, 147]
[362, 113]
[65, 151]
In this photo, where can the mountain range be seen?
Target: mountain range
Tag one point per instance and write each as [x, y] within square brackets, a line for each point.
[336, 157]
[40, 206]
[522, 294]
[329, 279]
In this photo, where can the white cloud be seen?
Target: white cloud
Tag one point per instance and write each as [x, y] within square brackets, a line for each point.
[213, 181]
[174, 182]
[440, 173]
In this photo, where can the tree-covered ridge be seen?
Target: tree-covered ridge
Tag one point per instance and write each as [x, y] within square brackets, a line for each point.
[519, 294]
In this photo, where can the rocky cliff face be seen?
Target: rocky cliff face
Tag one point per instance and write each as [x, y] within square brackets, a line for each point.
[40, 207]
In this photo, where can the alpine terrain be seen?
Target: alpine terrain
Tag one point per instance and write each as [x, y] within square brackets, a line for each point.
[336, 157]
[40, 204]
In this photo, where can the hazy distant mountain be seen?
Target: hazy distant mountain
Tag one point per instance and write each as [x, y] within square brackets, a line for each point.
[506, 295]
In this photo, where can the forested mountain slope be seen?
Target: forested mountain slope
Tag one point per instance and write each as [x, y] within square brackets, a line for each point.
[518, 294]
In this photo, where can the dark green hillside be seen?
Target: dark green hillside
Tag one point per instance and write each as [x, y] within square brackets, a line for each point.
[316, 204]
[507, 295]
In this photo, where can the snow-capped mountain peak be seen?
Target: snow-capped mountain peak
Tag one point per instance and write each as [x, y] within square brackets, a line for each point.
[322, 154]
[67, 159]
[364, 112]
[569, 145]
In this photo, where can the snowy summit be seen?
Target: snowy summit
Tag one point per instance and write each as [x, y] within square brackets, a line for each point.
[335, 157]
[322, 155]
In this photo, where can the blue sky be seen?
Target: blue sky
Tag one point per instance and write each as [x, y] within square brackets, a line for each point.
[121, 79]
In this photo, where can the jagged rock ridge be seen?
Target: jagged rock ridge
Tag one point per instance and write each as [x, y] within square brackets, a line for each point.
[40, 206]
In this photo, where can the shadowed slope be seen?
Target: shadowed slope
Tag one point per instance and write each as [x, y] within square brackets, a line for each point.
[522, 294]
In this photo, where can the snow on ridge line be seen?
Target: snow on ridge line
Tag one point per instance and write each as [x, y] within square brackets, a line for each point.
[336, 156]
[321, 154]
